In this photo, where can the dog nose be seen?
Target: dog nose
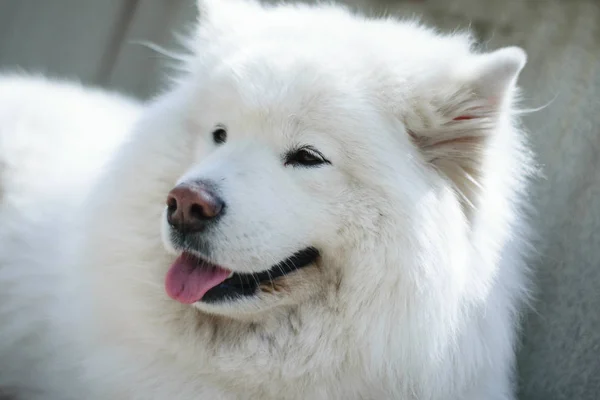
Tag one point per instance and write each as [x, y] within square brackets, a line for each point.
[191, 206]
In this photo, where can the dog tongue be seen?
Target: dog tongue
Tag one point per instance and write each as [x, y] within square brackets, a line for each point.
[189, 278]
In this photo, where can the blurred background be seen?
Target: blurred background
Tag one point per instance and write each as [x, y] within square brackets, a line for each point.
[97, 42]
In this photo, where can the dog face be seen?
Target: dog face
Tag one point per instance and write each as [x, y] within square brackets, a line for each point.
[307, 151]
[285, 158]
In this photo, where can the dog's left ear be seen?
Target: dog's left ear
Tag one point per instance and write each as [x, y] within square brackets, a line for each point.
[493, 76]
[211, 10]
[478, 106]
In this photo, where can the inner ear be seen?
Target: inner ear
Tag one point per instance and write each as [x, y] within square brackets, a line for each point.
[476, 106]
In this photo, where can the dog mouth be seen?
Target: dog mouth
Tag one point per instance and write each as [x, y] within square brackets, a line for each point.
[192, 279]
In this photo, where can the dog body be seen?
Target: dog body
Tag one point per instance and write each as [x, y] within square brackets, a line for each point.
[333, 205]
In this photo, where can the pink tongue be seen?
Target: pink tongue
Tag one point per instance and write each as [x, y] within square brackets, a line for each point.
[189, 279]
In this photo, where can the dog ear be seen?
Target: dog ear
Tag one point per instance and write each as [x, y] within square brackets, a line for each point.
[478, 106]
[493, 76]
[213, 9]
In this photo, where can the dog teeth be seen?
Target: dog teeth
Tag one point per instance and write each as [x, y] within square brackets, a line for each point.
[230, 275]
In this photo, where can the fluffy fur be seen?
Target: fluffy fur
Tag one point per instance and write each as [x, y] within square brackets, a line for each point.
[418, 219]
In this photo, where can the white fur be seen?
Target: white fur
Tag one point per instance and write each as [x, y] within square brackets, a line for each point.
[418, 218]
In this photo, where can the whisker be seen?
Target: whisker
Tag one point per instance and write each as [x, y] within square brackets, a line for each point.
[159, 49]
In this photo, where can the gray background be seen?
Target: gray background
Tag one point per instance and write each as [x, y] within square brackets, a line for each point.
[91, 40]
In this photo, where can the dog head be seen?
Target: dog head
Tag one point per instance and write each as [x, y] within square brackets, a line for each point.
[313, 141]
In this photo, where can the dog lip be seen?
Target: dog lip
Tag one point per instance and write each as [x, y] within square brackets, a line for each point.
[246, 284]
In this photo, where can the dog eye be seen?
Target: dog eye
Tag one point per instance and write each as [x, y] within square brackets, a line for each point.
[219, 135]
[305, 157]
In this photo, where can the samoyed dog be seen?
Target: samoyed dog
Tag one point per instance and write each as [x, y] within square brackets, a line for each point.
[321, 206]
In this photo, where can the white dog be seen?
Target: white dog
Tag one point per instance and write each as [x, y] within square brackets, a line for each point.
[321, 206]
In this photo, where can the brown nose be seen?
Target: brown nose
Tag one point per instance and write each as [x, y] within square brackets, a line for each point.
[191, 206]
